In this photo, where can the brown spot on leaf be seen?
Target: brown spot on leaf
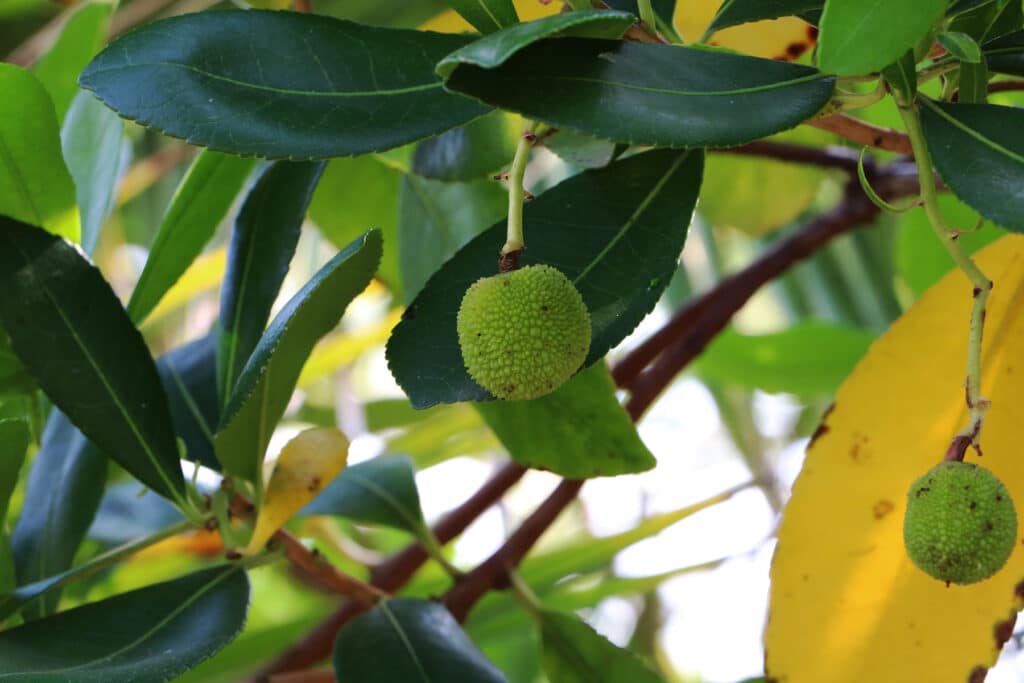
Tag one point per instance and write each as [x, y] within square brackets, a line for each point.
[978, 674]
[314, 484]
[812, 33]
[1004, 631]
[794, 50]
[820, 431]
[882, 508]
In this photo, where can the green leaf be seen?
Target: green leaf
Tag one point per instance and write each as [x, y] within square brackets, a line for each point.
[148, 635]
[973, 87]
[202, 200]
[575, 653]
[978, 150]
[861, 36]
[354, 194]
[470, 152]
[578, 431]
[70, 330]
[378, 491]
[80, 37]
[236, 88]
[409, 640]
[268, 379]
[126, 513]
[581, 151]
[486, 16]
[13, 376]
[35, 186]
[902, 75]
[436, 219]
[736, 12]
[961, 46]
[189, 377]
[1006, 55]
[558, 80]
[616, 232]
[810, 359]
[262, 245]
[989, 20]
[65, 484]
[92, 144]
[14, 440]
[8, 579]
[494, 50]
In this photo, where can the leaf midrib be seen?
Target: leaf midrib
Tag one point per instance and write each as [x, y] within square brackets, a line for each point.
[279, 91]
[384, 495]
[975, 134]
[150, 455]
[400, 632]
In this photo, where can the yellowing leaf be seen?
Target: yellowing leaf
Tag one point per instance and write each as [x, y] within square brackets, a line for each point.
[449, 21]
[846, 603]
[307, 463]
[786, 38]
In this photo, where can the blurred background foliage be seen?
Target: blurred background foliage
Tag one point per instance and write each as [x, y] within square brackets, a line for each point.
[684, 587]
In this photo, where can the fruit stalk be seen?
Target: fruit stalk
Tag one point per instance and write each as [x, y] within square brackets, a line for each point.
[514, 241]
[971, 434]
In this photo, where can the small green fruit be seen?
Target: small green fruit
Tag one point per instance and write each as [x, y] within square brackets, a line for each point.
[523, 333]
[960, 525]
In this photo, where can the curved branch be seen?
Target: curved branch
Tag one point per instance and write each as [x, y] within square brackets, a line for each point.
[864, 133]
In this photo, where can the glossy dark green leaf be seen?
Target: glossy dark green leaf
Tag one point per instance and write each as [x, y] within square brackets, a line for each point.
[80, 37]
[961, 46]
[579, 431]
[1006, 55]
[262, 245]
[236, 87]
[13, 376]
[989, 20]
[148, 635]
[268, 379]
[576, 653]
[736, 12]
[8, 578]
[494, 50]
[91, 139]
[474, 151]
[378, 491]
[65, 484]
[69, 328]
[202, 200]
[35, 186]
[978, 150]
[859, 37]
[690, 97]
[189, 377]
[486, 16]
[902, 75]
[355, 194]
[409, 640]
[664, 9]
[436, 219]
[616, 232]
[14, 441]
[810, 359]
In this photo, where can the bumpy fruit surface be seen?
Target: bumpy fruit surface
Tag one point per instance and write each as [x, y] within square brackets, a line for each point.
[523, 333]
[960, 525]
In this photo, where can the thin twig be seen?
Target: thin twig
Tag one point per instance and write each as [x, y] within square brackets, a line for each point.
[1006, 86]
[392, 574]
[864, 133]
[841, 158]
[313, 565]
[493, 572]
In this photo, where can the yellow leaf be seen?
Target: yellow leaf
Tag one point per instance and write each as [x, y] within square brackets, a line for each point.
[846, 603]
[449, 21]
[307, 463]
[786, 38]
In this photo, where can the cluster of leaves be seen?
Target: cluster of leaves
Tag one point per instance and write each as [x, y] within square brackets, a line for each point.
[634, 121]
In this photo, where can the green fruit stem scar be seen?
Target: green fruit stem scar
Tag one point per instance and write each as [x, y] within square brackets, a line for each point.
[523, 333]
[960, 525]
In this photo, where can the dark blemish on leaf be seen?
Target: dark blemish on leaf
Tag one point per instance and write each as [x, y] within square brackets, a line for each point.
[1004, 630]
[855, 451]
[794, 50]
[973, 505]
[975, 292]
[821, 430]
[314, 484]
[812, 32]
[923, 489]
[989, 526]
[999, 498]
[543, 308]
[882, 508]
[977, 675]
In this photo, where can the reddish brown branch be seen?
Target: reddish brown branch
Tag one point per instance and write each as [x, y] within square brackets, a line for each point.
[493, 572]
[840, 158]
[864, 133]
[392, 574]
[316, 568]
[1006, 86]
